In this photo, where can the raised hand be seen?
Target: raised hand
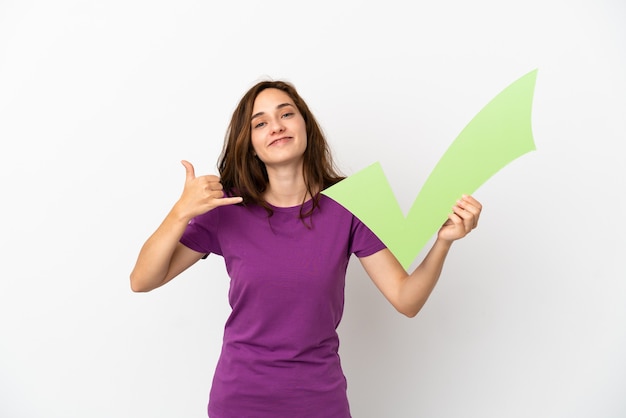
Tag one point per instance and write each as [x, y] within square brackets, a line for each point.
[201, 194]
[462, 220]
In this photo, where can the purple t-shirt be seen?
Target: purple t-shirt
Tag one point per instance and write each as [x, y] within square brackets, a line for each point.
[280, 350]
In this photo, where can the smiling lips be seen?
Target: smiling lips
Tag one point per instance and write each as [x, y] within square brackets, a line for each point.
[280, 140]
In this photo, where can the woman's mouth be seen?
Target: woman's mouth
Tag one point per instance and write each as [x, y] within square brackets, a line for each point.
[280, 141]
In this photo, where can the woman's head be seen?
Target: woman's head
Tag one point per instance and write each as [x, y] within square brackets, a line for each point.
[279, 137]
[244, 172]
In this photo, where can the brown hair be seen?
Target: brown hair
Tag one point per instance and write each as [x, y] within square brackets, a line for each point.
[245, 175]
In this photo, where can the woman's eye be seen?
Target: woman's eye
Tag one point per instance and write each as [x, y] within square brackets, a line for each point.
[259, 125]
[287, 115]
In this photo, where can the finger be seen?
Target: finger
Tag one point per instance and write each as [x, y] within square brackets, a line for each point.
[467, 218]
[448, 221]
[212, 178]
[216, 185]
[190, 173]
[223, 201]
[474, 210]
[470, 204]
[211, 182]
[454, 218]
[471, 201]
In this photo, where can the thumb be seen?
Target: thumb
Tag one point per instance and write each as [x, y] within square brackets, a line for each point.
[189, 170]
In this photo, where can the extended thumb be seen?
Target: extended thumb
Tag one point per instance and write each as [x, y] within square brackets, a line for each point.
[189, 170]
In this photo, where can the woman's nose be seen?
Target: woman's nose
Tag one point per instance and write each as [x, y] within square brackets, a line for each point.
[277, 126]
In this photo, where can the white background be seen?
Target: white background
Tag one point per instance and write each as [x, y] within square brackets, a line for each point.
[99, 101]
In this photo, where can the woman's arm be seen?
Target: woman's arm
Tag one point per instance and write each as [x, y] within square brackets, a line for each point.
[163, 257]
[409, 292]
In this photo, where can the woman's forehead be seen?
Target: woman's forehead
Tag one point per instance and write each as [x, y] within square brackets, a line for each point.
[270, 99]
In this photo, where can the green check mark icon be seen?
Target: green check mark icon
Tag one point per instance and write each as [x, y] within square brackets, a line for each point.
[500, 133]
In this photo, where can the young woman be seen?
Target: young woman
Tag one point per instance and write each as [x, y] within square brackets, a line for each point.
[286, 249]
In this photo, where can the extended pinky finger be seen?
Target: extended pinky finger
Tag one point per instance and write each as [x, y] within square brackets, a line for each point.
[224, 201]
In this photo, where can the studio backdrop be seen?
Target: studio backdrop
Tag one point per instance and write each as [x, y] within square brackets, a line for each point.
[99, 102]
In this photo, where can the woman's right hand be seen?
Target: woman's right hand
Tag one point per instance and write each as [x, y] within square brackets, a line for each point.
[201, 194]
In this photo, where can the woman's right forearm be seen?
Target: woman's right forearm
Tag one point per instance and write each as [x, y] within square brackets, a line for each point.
[155, 257]
[162, 257]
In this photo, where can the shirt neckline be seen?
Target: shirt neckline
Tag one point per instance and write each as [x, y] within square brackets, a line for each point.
[287, 209]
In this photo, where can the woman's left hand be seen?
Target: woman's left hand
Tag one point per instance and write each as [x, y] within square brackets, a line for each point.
[462, 220]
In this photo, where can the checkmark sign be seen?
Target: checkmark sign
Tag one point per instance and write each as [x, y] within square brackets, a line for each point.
[497, 135]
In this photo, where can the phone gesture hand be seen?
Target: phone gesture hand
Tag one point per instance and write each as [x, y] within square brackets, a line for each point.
[202, 194]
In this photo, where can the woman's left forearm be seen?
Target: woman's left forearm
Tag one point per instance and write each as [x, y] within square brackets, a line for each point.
[418, 286]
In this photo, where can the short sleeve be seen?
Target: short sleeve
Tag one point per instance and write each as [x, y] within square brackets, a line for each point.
[364, 242]
[201, 234]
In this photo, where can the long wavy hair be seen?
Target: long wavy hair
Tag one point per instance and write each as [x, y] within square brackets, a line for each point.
[244, 174]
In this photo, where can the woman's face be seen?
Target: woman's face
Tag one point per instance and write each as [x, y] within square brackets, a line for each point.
[278, 129]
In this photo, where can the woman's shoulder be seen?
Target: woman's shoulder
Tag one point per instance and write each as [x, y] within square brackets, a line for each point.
[331, 207]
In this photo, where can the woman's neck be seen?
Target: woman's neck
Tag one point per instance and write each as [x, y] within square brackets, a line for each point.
[286, 188]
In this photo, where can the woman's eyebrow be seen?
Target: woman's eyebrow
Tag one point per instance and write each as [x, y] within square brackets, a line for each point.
[280, 106]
